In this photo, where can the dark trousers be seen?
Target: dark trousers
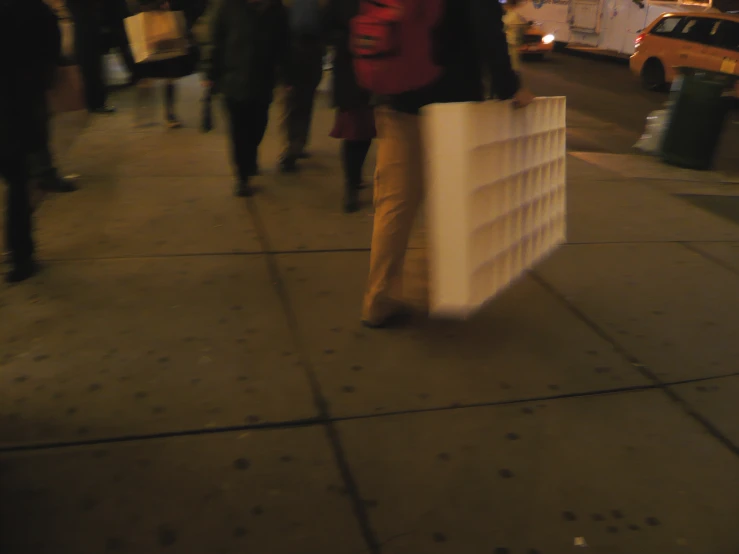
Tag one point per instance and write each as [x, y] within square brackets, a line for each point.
[307, 63]
[18, 210]
[353, 154]
[247, 125]
[88, 50]
[40, 160]
[115, 11]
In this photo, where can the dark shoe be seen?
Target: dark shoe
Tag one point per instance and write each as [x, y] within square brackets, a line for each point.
[351, 201]
[105, 110]
[58, 184]
[22, 271]
[288, 165]
[243, 190]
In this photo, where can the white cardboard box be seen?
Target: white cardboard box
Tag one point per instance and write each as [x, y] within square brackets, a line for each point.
[495, 197]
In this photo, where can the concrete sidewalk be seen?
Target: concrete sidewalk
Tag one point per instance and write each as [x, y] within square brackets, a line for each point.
[189, 375]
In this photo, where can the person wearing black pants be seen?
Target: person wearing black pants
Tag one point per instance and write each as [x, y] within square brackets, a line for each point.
[18, 232]
[247, 125]
[29, 51]
[42, 169]
[249, 48]
[114, 14]
[88, 20]
[355, 123]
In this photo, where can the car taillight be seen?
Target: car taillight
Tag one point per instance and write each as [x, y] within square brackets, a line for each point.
[639, 39]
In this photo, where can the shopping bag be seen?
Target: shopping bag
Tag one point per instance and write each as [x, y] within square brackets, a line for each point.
[157, 35]
[68, 92]
[654, 131]
[495, 197]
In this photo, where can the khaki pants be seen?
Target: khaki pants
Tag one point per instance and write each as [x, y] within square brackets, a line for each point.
[398, 195]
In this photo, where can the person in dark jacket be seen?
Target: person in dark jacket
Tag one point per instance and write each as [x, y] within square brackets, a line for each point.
[249, 46]
[355, 120]
[89, 48]
[29, 50]
[470, 39]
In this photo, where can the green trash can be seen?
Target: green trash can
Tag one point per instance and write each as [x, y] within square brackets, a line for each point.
[699, 106]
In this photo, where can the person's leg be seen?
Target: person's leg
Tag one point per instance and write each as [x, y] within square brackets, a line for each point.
[18, 219]
[257, 127]
[239, 133]
[88, 51]
[357, 154]
[315, 73]
[299, 100]
[353, 153]
[41, 162]
[169, 104]
[398, 195]
[115, 12]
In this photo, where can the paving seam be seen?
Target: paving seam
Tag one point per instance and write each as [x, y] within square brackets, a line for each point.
[322, 405]
[710, 257]
[310, 422]
[367, 250]
[639, 366]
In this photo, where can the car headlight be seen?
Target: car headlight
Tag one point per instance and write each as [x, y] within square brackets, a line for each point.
[548, 39]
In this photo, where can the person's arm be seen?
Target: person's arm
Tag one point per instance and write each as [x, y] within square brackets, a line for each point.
[487, 21]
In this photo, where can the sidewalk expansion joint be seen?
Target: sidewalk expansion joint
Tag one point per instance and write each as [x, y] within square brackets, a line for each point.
[249, 253]
[643, 369]
[319, 398]
[320, 420]
[710, 257]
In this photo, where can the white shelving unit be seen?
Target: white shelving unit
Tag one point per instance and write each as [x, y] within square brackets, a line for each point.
[496, 197]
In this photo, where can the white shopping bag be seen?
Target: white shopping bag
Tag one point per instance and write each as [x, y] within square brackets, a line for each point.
[157, 35]
[495, 179]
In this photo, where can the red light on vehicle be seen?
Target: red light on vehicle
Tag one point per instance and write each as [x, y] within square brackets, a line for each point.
[639, 39]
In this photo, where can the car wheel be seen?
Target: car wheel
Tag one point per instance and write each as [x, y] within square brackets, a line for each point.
[653, 75]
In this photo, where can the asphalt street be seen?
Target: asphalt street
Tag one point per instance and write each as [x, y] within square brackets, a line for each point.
[607, 91]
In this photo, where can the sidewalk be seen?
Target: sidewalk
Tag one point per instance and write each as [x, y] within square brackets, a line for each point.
[189, 374]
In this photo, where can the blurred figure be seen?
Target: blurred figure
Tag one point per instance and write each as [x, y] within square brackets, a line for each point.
[29, 50]
[175, 68]
[249, 48]
[515, 26]
[88, 17]
[467, 42]
[114, 14]
[355, 120]
[307, 49]
[41, 166]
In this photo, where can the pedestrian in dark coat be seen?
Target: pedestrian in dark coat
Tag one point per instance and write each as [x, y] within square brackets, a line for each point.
[89, 49]
[249, 50]
[355, 121]
[29, 50]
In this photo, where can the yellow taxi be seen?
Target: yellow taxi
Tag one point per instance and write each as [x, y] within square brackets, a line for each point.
[702, 40]
[535, 42]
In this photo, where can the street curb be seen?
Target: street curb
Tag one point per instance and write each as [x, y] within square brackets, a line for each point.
[600, 55]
